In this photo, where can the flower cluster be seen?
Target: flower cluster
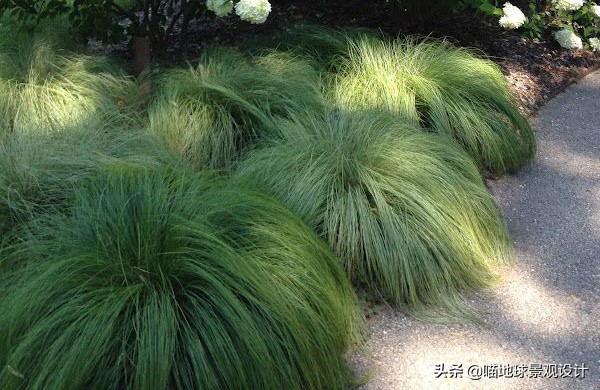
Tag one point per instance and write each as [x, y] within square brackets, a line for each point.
[220, 7]
[576, 27]
[513, 17]
[567, 5]
[568, 39]
[253, 11]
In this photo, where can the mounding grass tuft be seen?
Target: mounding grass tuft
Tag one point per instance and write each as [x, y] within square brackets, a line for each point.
[45, 87]
[39, 171]
[442, 87]
[324, 47]
[157, 279]
[406, 211]
[23, 49]
[213, 112]
[88, 92]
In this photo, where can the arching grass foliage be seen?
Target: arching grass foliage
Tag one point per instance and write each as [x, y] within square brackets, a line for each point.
[406, 211]
[324, 47]
[46, 86]
[39, 172]
[157, 279]
[443, 88]
[211, 113]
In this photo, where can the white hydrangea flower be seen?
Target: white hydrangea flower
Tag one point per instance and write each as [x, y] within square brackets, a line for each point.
[568, 5]
[568, 39]
[595, 44]
[220, 7]
[513, 17]
[595, 9]
[253, 11]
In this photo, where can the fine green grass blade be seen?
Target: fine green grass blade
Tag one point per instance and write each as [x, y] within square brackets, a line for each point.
[40, 171]
[323, 47]
[212, 113]
[158, 279]
[405, 211]
[443, 88]
[45, 85]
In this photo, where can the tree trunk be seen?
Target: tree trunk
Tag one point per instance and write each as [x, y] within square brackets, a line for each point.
[141, 54]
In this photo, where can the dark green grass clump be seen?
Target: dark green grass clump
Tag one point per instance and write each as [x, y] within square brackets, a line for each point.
[406, 211]
[323, 47]
[157, 280]
[443, 88]
[39, 171]
[211, 113]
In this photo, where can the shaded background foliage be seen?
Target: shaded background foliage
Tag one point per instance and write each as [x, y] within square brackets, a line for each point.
[111, 20]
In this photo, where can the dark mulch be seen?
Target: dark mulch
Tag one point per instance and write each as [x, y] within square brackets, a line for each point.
[536, 70]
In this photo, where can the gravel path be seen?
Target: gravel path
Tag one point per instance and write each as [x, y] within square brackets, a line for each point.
[547, 309]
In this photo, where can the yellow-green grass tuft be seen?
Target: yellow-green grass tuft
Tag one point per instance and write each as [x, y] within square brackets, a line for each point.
[406, 211]
[443, 88]
[47, 88]
[212, 113]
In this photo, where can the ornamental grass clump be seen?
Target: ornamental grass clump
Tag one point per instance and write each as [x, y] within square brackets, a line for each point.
[10, 100]
[48, 88]
[39, 171]
[85, 93]
[21, 50]
[37, 174]
[211, 113]
[158, 279]
[406, 211]
[443, 88]
[323, 47]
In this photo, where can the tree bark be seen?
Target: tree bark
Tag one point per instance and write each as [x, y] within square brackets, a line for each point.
[141, 54]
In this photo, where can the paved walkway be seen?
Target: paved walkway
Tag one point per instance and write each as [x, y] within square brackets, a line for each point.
[547, 310]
